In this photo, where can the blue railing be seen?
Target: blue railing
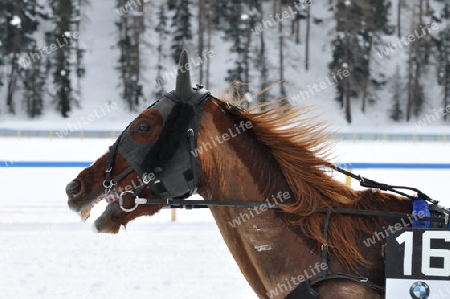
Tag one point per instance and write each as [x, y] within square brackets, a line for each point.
[83, 164]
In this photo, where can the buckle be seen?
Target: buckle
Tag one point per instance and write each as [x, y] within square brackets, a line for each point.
[137, 201]
[109, 184]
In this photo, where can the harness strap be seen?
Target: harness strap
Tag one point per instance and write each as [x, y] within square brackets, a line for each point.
[123, 174]
[304, 291]
[324, 246]
[194, 162]
[367, 183]
[201, 204]
[108, 183]
[380, 214]
[354, 278]
[159, 189]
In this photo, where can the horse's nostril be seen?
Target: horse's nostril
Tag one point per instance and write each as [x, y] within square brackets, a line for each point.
[74, 188]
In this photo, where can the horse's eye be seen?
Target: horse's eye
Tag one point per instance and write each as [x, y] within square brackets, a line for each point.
[143, 127]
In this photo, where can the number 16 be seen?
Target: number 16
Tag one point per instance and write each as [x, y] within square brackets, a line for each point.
[427, 252]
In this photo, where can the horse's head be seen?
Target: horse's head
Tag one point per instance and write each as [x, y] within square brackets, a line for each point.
[151, 159]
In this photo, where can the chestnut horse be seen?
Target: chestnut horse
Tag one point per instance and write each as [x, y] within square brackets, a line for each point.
[274, 157]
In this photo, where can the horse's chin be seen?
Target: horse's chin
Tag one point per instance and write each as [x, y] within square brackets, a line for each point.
[112, 217]
[83, 206]
[109, 221]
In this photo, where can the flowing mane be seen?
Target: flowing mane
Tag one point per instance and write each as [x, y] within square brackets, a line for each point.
[301, 146]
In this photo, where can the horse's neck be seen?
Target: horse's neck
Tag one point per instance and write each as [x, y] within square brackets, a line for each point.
[268, 253]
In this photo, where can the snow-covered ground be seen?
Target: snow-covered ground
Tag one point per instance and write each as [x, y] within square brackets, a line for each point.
[47, 252]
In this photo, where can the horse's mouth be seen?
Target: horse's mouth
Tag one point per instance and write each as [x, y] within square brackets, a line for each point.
[110, 220]
[83, 201]
[110, 198]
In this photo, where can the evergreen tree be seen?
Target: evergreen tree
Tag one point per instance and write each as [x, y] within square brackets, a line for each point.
[221, 11]
[20, 20]
[396, 113]
[418, 57]
[181, 24]
[234, 33]
[172, 4]
[261, 66]
[336, 63]
[377, 25]
[279, 8]
[124, 44]
[443, 57]
[3, 45]
[419, 99]
[261, 61]
[380, 19]
[63, 19]
[130, 27]
[79, 66]
[34, 87]
[357, 24]
[163, 32]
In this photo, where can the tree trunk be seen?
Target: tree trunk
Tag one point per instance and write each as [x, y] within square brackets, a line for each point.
[367, 75]
[280, 45]
[420, 11]
[364, 99]
[201, 36]
[308, 21]
[293, 26]
[247, 58]
[16, 49]
[446, 95]
[348, 111]
[77, 53]
[217, 12]
[208, 46]
[446, 49]
[12, 83]
[348, 108]
[411, 79]
[399, 19]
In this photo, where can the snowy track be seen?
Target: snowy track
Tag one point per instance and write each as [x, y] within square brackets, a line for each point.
[161, 260]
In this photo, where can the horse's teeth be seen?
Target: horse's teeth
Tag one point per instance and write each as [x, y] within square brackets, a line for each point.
[86, 212]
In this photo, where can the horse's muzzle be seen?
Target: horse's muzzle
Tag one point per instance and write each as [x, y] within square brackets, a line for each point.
[74, 188]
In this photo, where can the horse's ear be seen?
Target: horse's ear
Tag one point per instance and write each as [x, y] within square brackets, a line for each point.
[183, 87]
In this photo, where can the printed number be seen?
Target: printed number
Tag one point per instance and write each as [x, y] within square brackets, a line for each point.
[407, 238]
[427, 252]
